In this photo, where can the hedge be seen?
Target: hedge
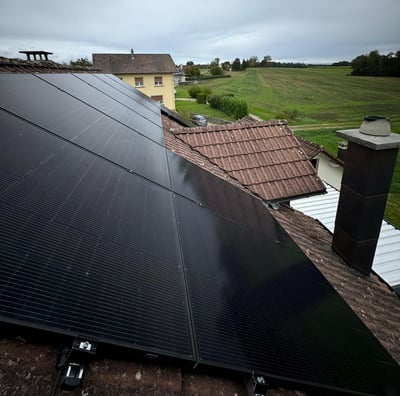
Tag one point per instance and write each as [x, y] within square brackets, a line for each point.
[230, 105]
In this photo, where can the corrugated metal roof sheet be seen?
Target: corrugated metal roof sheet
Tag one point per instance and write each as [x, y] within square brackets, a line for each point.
[387, 255]
[266, 157]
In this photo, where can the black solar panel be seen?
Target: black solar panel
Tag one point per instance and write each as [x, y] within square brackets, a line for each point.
[265, 307]
[87, 117]
[81, 246]
[104, 234]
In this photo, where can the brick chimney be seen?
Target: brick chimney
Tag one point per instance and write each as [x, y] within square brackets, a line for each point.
[342, 148]
[368, 171]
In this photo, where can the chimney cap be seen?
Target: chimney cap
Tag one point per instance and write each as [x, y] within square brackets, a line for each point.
[374, 134]
[370, 141]
[375, 126]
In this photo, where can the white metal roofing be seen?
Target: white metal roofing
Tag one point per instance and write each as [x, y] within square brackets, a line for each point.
[387, 255]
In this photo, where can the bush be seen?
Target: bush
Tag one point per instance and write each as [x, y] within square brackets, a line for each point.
[202, 98]
[215, 101]
[230, 105]
[291, 114]
[194, 91]
[206, 90]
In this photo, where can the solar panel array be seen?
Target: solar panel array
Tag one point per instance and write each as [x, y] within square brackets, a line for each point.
[104, 233]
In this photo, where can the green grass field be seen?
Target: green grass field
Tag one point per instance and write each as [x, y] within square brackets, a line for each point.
[316, 101]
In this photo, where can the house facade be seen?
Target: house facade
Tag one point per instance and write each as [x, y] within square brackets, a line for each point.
[152, 74]
[329, 168]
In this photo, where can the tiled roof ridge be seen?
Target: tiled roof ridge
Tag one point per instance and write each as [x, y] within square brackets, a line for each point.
[230, 127]
[365, 295]
[130, 55]
[369, 297]
[43, 65]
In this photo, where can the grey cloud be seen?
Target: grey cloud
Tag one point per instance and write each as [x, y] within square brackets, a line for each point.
[308, 30]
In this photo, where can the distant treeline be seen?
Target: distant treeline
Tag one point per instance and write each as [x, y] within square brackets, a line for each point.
[375, 64]
[238, 65]
[372, 64]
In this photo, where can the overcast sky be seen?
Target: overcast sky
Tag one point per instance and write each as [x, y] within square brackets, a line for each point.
[308, 31]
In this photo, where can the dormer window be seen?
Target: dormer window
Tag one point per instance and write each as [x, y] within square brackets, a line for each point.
[139, 82]
[158, 81]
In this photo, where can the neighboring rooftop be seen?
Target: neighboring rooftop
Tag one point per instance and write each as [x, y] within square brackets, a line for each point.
[15, 65]
[369, 297]
[265, 157]
[311, 149]
[387, 255]
[134, 63]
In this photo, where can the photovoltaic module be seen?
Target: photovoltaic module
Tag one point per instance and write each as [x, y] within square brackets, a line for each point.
[105, 233]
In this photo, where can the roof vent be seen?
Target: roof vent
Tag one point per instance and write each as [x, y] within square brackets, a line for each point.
[132, 53]
[376, 126]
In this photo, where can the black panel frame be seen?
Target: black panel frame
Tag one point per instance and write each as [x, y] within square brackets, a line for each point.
[155, 254]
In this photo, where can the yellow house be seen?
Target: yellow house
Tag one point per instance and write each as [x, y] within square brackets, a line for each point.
[150, 73]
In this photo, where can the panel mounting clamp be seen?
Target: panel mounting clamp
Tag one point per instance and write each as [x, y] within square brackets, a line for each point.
[72, 362]
[257, 385]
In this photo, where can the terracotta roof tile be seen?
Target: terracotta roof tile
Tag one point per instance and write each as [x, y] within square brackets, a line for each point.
[257, 153]
[140, 63]
[370, 298]
[309, 148]
[21, 66]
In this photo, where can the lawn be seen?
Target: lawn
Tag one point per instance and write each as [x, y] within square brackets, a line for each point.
[315, 101]
[320, 95]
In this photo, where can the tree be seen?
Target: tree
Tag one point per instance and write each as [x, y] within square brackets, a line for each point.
[253, 62]
[192, 71]
[375, 64]
[266, 60]
[226, 66]
[81, 62]
[215, 70]
[236, 65]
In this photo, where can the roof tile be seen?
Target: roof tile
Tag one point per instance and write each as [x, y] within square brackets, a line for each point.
[257, 153]
[139, 63]
[376, 305]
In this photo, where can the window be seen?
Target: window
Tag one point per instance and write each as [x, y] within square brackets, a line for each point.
[157, 98]
[139, 82]
[158, 81]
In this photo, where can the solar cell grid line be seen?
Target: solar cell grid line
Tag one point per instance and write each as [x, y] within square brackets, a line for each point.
[259, 304]
[126, 95]
[138, 96]
[193, 268]
[60, 273]
[60, 113]
[94, 94]
[148, 161]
